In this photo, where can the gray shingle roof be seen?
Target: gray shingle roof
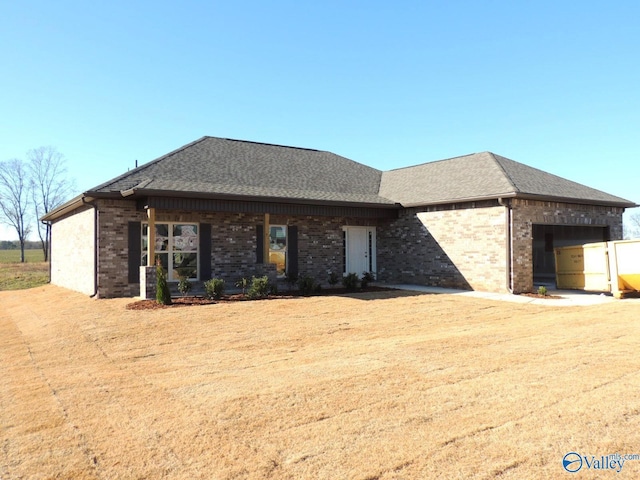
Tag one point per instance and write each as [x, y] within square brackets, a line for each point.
[483, 176]
[219, 166]
[214, 166]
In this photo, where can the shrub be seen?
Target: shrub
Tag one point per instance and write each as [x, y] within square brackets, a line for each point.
[163, 295]
[333, 279]
[350, 282]
[307, 285]
[259, 287]
[542, 290]
[214, 288]
[367, 277]
[184, 286]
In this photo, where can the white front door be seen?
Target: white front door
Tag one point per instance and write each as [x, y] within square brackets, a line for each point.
[360, 250]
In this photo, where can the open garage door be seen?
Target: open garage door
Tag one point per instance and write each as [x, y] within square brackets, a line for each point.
[547, 237]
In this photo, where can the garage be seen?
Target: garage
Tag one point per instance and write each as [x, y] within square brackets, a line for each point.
[548, 237]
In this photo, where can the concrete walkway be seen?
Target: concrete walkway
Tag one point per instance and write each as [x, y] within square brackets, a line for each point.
[569, 298]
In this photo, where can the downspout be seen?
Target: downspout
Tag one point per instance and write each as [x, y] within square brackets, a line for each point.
[508, 251]
[95, 246]
[50, 228]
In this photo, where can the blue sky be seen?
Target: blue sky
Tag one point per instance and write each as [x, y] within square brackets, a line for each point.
[553, 84]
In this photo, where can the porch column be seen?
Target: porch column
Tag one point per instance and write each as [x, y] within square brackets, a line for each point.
[151, 237]
[265, 242]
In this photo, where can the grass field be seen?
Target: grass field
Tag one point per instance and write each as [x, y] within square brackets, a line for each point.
[387, 385]
[17, 276]
[13, 256]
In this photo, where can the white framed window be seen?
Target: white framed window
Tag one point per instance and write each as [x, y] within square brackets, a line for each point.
[176, 247]
[278, 248]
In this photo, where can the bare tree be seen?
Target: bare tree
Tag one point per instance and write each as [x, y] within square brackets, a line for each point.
[50, 186]
[14, 199]
[632, 228]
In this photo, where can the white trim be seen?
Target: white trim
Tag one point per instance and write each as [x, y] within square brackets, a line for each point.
[170, 244]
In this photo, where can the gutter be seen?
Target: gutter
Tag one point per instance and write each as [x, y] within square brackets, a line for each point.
[68, 207]
[524, 196]
[508, 249]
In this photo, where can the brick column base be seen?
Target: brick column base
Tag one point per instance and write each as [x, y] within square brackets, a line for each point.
[148, 279]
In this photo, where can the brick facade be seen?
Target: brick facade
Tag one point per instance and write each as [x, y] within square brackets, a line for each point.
[113, 247]
[233, 244]
[526, 213]
[459, 246]
[464, 246]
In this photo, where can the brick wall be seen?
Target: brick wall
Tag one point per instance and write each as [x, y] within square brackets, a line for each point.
[113, 247]
[462, 248]
[441, 246]
[233, 244]
[72, 252]
[526, 213]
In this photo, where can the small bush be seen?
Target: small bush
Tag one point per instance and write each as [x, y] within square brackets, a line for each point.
[214, 288]
[333, 279]
[307, 285]
[367, 277]
[259, 288]
[350, 282]
[184, 286]
[542, 290]
[163, 295]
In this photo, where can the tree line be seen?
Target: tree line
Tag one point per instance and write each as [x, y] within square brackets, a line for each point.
[30, 189]
[15, 245]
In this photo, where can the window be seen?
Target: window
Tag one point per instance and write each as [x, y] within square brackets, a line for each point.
[176, 247]
[278, 248]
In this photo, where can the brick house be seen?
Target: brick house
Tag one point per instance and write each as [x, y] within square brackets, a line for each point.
[232, 209]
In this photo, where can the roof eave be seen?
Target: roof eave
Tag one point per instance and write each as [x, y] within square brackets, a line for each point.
[143, 193]
[67, 207]
[526, 196]
[581, 201]
[459, 200]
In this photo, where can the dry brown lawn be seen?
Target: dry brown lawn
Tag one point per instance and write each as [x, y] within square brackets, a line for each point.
[372, 386]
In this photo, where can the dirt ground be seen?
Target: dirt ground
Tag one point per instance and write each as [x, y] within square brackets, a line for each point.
[386, 385]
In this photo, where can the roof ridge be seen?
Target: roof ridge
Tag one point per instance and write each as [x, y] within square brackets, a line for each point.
[267, 144]
[516, 189]
[432, 161]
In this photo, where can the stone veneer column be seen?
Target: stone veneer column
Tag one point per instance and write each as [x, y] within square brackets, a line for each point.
[148, 279]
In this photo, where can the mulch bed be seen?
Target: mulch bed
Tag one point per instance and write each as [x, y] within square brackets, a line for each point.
[537, 295]
[188, 301]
